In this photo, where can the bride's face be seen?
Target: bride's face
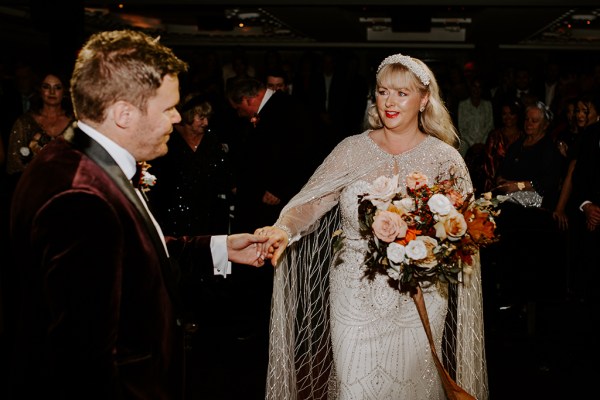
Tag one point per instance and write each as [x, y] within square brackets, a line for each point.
[398, 105]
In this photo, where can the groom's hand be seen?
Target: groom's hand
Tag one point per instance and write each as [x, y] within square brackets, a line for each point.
[244, 248]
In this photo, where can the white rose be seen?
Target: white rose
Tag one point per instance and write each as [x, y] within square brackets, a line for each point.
[416, 250]
[440, 204]
[430, 244]
[148, 179]
[382, 191]
[396, 253]
[406, 204]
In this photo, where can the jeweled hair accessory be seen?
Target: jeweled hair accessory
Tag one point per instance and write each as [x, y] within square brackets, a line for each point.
[409, 63]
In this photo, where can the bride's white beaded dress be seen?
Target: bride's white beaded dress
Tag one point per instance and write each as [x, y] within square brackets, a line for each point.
[336, 334]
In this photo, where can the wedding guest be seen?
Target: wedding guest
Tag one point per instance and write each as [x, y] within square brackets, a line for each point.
[500, 139]
[525, 89]
[475, 117]
[192, 196]
[276, 130]
[278, 126]
[586, 184]
[532, 163]
[195, 183]
[276, 79]
[332, 330]
[586, 193]
[530, 177]
[582, 200]
[567, 139]
[550, 86]
[98, 308]
[49, 117]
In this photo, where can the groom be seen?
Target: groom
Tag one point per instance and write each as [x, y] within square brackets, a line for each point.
[98, 302]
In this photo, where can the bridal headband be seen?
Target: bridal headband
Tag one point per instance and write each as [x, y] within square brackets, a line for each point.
[409, 63]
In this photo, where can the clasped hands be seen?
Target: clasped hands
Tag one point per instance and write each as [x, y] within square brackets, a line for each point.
[276, 244]
[266, 243]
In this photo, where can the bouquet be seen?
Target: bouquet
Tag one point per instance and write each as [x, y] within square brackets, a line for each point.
[429, 234]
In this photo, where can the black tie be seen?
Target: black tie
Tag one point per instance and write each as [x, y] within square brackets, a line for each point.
[135, 180]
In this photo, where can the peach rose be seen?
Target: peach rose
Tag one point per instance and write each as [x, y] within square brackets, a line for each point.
[416, 180]
[453, 225]
[388, 226]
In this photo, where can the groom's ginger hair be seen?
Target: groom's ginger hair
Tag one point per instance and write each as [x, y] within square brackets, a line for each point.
[119, 65]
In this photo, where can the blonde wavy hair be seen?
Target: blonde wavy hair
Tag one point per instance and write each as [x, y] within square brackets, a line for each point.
[435, 120]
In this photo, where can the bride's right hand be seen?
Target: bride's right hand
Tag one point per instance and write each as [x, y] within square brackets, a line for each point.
[277, 243]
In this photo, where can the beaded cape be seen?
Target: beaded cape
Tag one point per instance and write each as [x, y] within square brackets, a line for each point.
[301, 348]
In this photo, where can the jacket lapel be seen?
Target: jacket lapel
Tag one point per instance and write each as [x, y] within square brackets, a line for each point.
[98, 154]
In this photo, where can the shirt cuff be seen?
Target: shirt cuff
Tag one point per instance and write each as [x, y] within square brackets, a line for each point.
[583, 204]
[218, 249]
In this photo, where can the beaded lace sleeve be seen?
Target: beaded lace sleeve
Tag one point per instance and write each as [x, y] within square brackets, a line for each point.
[321, 193]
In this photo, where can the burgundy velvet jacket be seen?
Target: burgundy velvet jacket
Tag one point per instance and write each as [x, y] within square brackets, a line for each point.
[98, 295]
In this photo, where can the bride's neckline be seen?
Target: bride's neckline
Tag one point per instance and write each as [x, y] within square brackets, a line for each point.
[381, 150]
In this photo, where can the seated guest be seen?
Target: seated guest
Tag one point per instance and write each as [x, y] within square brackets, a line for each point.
[529, 177]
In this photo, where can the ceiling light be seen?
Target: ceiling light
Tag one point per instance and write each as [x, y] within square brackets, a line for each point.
[583, 17]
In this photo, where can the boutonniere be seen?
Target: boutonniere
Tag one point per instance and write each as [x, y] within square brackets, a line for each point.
[146, 179]
[254, 120]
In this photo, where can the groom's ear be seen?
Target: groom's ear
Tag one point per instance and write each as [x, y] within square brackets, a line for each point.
[122, 113]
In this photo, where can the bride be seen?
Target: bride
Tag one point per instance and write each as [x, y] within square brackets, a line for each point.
[335, 334]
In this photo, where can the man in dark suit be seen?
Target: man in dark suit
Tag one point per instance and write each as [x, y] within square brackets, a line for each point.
[280, 131]
[586, 197]
[276, 130]
[99, 305]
